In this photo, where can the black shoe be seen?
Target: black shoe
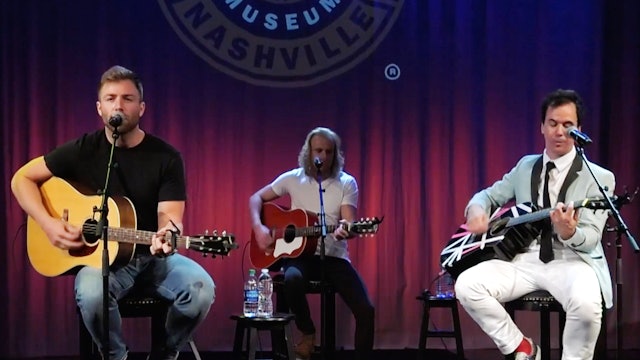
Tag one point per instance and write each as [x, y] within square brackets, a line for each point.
[163, 355]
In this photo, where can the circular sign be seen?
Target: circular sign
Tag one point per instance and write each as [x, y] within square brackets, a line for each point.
[282, 43]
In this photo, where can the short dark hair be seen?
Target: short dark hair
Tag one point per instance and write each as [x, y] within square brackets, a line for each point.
[561, 97]
[119, 73]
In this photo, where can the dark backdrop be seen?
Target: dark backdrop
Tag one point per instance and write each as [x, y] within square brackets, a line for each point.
[464, 109]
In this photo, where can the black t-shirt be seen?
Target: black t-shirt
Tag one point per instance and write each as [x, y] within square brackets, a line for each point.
[148, 173]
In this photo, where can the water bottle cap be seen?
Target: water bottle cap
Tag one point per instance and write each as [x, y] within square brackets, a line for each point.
[252, 272]
[265, 270]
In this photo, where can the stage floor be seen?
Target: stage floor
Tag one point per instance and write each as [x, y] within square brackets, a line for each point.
[411, 354]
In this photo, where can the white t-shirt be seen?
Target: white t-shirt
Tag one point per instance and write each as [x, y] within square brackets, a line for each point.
[304, 193]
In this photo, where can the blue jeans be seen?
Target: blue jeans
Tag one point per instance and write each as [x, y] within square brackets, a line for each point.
[175, 278]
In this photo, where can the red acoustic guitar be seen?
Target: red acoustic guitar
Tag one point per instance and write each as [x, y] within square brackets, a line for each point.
[296, 232]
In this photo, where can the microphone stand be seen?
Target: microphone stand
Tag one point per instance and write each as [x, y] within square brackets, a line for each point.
[102, 230]
[323, 235]
[620, 229]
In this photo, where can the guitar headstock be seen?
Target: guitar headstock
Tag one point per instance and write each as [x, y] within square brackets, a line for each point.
[598, 203]
[215, 244]
[365, 226]
[625, 198]
[595, 203]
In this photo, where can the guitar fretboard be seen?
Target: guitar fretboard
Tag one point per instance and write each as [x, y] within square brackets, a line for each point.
[537, 215]
[313, 231]
[133, 236]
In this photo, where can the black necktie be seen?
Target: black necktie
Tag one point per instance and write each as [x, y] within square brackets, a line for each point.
[546, 247]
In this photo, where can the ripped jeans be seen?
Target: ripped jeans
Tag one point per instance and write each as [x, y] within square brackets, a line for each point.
[176, 278]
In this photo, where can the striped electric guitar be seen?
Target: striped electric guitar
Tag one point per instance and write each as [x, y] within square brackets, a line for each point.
[511, 231]
[295, 232]
[74, 204]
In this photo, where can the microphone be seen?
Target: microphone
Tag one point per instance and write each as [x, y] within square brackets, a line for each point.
[115, 120]
[581, 138]
[317, 162]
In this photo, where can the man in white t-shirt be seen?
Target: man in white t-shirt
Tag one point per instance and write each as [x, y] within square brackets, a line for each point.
[320, 159]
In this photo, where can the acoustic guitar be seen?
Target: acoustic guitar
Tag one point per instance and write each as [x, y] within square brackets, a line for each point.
[296, 232]
[75, 204]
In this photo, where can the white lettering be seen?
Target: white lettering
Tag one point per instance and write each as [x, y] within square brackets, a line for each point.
[329, 5]
[271, 21]
[292, 21]
[234, 3]
[249, 18]
[309, 19]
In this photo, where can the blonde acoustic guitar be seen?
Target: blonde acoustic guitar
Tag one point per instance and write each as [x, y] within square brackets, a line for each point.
[75, 204]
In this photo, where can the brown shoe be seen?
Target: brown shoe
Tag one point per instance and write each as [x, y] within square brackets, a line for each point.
[305, 347]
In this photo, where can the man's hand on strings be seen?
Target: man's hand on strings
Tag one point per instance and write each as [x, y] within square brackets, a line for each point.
[161, 241]
[477, 220]
[62, 234]
[565, 220]
[341, 233]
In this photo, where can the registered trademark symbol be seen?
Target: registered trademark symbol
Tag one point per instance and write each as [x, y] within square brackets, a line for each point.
[392, 72]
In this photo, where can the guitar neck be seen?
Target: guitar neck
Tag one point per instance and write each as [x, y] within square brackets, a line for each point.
[314, 231]
[143, 237]
[537, 215]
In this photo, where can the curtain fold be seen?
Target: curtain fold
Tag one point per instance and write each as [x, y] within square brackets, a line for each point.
[464, 109]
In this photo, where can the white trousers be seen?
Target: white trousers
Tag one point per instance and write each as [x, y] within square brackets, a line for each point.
[482, 289]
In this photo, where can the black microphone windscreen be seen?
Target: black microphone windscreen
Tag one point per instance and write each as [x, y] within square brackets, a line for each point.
[115, 120]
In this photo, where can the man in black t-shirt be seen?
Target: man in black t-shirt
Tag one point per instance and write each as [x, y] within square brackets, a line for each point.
[150, 173]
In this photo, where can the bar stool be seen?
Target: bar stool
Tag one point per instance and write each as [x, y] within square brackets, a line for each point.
[429, 301]
[543, 302]
[328, 320]
[134, 305]
[281, 336]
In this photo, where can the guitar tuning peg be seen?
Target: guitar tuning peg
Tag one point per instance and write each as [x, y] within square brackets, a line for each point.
[206, 231]
[215, 232]
[224, 232]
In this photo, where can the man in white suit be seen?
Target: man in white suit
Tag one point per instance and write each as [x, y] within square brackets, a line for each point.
[571, 265]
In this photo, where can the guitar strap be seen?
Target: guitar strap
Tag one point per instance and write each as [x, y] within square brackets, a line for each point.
[535, 180]
[571, 177]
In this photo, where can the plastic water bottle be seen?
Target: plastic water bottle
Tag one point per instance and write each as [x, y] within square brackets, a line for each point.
[445, 287]
[265, 290]
[250, 307]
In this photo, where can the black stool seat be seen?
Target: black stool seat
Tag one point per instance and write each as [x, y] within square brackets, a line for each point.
[535, 301]
[428, 302]
[328, 320]
[281, 335]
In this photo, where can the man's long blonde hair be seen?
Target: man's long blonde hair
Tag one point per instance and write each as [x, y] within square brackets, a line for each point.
[304, 158]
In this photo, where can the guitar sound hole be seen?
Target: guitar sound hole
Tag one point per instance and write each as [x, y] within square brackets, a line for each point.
[89, 231]
[289, 233]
